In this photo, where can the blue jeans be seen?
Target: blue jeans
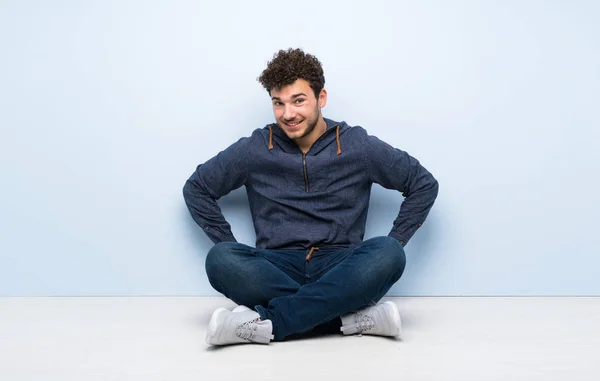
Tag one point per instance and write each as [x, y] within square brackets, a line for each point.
[297, 294]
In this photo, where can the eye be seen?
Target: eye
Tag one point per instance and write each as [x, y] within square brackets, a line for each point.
[299, 100]
[277, 104]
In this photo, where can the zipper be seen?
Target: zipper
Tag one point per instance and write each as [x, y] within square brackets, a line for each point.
[305, 173]
[304, 157]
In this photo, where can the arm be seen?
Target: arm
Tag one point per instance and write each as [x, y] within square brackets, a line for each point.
[212, 180]
[395, 169]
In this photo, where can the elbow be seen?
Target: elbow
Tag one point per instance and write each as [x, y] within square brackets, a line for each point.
[188, 191]
[429, 186]
[434, 188]
[194, 191]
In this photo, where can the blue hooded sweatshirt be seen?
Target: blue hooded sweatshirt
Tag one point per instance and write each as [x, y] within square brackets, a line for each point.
[317, 199]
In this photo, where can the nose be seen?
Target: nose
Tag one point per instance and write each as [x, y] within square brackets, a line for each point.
[288, 112]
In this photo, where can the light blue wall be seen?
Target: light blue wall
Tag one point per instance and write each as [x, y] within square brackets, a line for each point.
[107, 107]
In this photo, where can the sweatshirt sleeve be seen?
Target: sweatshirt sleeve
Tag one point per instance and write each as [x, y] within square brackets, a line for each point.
[395, 169]
[211, 181]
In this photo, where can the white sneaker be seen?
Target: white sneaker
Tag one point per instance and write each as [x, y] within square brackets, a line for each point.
[228, 327]
[382, 319]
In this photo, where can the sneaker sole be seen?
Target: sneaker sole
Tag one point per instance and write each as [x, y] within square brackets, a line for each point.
[397, 320]
[211, 331]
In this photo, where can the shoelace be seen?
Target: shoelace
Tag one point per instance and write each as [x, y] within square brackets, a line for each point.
[363, 323]
[248, 331]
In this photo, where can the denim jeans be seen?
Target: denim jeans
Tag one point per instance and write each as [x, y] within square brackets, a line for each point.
[297, 294]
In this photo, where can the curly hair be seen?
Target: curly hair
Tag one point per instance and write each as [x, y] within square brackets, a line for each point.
[289, 65]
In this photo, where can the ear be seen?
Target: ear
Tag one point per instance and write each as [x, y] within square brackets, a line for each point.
[322, 101]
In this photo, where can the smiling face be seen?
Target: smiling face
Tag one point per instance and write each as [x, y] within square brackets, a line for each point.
[298, 112]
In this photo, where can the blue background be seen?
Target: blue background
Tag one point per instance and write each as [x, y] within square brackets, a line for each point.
[107, 107]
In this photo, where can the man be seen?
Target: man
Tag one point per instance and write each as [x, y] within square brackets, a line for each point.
[308, 181]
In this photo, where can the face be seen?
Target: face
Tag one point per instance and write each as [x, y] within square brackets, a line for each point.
[298, 111]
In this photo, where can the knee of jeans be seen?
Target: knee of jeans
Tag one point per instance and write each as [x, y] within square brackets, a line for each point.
[218, 260]
[392, 256]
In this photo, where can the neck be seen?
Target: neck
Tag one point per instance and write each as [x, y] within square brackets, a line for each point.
[306, 142]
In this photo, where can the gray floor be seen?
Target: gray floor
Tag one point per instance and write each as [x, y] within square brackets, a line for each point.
[162, 338]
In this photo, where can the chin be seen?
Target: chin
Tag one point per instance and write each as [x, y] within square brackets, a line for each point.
[294, 135]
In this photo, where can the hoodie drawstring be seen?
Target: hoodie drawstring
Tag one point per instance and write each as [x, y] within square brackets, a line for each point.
[270, 137]
[337, 139]
[309, 256]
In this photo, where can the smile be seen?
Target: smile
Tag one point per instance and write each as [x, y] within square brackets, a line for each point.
[292, 124]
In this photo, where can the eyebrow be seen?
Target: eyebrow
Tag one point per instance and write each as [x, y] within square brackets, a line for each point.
[293, 96]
